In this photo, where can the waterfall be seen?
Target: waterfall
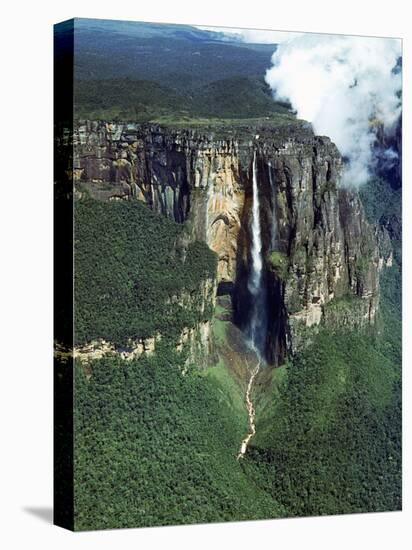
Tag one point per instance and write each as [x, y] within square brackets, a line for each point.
[274, 228]
[257, 325]
[256, 272]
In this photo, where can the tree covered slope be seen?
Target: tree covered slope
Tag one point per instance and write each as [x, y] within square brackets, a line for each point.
[129, 264]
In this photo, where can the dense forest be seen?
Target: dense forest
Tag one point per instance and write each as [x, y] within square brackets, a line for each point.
[155, 447]
[329, 434]
[129, 265]
[145, 100]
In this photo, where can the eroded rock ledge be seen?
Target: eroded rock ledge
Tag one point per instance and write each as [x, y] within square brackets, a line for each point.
[318, 247]
[195, 341]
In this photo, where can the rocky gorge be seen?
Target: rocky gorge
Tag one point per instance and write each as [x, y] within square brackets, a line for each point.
[321, 259]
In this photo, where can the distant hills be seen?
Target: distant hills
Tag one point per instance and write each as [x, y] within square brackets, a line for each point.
[148, 71]
[145, 100]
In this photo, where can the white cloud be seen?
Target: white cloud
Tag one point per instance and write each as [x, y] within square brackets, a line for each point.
[340, 84]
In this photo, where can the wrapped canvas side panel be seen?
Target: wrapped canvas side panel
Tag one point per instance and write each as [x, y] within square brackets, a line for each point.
[63, 275]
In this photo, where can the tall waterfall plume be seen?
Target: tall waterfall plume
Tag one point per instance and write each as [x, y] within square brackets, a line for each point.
[257, 322]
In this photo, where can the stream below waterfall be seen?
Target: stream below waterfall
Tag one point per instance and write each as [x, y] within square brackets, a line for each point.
[251, 412]
[257, 322]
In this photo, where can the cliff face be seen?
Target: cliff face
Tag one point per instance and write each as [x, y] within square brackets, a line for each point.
[318, 250]
[194, 341]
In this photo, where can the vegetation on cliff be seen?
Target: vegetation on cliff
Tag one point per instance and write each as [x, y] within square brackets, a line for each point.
[278, 263]
[383, 205]
[131, 273]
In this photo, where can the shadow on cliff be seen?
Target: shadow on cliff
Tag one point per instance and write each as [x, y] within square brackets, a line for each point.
[276, 324]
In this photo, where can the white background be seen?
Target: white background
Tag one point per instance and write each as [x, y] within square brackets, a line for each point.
[26, 273]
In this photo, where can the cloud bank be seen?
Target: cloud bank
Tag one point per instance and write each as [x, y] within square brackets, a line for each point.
[344, 86]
